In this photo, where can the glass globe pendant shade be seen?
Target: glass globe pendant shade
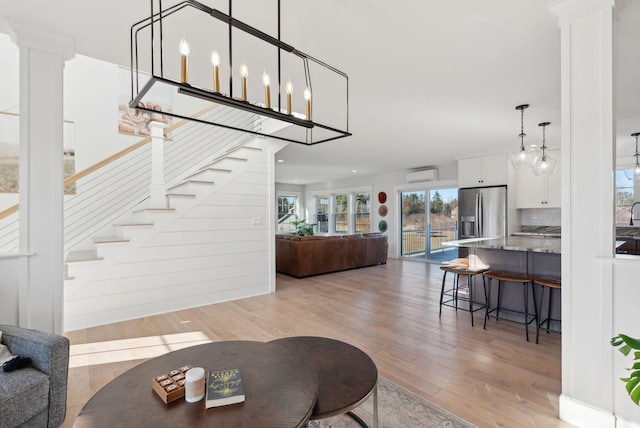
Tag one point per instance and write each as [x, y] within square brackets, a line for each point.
[545, 165]
[523, 157]
[634, 174]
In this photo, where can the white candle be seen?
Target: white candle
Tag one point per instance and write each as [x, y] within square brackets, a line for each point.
[194, 385]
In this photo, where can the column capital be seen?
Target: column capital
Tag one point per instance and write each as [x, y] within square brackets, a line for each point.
[571, 10]
[26, 34]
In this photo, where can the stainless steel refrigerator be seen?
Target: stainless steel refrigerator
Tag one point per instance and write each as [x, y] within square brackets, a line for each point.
[482, 212]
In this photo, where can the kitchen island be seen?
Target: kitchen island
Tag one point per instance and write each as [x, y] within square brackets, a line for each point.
[534, 255]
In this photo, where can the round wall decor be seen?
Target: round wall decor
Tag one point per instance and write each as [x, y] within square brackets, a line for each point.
[382, 210]
[382, 197]
[382, 226]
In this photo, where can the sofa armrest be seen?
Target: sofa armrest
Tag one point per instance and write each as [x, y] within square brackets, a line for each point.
[49, 353]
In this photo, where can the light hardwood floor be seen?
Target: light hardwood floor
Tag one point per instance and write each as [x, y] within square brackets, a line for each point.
[491, 378]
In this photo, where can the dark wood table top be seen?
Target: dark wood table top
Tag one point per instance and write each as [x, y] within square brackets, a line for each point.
[346, 375]
[280, 388]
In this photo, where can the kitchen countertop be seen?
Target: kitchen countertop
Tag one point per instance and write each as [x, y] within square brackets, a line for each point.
[511, 243]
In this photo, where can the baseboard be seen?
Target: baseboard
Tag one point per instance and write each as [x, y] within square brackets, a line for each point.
[584, 415]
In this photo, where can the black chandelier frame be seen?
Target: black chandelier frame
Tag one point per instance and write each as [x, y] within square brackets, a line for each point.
[157, 73]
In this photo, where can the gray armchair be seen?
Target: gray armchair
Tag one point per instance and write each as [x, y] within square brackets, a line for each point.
[35, 396]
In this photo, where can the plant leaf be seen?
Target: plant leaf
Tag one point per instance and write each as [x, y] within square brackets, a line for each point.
[635, 395]
[631, 342]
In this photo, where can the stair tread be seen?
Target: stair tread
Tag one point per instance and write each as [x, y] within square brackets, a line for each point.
[234, 158]
[108, 239]
[182, 195]
[215, 169]
[159, 210]
[251, 148]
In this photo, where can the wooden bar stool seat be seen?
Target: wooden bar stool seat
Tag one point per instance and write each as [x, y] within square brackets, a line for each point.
[517, 278]
[460, 267]
[551, 284]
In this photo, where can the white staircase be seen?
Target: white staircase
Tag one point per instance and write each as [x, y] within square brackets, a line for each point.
[123, 262]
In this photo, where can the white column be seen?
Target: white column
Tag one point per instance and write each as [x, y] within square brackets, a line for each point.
[588, 164]
[42, 57]
[158, 196]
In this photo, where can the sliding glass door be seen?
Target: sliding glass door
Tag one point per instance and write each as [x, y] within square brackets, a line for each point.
[428, 219]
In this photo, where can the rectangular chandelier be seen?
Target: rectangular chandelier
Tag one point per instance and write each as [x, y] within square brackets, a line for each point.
[192, 75]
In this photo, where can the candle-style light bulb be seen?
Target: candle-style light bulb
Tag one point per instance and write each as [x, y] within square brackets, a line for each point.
[289, 89]
[244, 72]
[267, 90]
[184, 55]
[307, 99]
[215, 62]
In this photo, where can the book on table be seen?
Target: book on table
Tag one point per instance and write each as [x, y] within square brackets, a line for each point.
[224, 387]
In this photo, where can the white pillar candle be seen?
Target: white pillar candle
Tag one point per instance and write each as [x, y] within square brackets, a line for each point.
[194, 385]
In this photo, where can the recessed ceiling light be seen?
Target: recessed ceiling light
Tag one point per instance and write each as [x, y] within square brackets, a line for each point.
[295, 181]
[280, 161]
[354, 170]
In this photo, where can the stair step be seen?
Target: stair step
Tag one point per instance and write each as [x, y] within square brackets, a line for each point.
[155, 210]
[215, 170]
[235, 158]
[251, 148]
[82, 256]
[181, 195]
[109, 240]
[133, 224]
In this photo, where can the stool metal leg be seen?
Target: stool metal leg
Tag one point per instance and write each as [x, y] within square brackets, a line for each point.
[444, 278]
[488, 300]
[526, 309]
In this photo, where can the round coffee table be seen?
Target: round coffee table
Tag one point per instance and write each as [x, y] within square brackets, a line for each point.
[280, 388]
[346, 375]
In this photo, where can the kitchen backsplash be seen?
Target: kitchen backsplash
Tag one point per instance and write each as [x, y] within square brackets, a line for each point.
[540, 217]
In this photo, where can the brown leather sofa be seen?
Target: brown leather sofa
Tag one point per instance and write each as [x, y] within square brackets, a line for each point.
[302, 256]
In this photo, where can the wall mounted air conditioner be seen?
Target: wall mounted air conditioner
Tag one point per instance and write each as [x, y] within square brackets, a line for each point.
[425, 175]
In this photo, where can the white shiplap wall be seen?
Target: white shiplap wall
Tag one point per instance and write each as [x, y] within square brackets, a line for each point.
[216, 250]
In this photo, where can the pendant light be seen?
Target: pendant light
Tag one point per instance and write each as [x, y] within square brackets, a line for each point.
[635, 175]
[544, 164]
[521, 156]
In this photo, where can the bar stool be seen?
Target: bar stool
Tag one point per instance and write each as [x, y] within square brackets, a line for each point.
[514, 278]
[551, 284]
[460, 267]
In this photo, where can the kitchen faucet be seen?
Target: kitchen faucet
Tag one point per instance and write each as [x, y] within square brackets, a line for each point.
[632, 206]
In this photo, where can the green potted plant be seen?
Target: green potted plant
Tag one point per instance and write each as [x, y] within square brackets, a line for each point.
[302, 228]
[633, 381]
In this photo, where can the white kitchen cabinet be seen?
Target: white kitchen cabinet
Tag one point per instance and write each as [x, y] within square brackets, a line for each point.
[539, 191]
[483, 171]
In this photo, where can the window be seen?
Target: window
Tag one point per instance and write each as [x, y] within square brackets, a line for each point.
[341, 214]
[322, 213]
[362, 214]
[287, 212]
[625, 195]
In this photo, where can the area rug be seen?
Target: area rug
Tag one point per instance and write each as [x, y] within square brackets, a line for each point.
[397, 408]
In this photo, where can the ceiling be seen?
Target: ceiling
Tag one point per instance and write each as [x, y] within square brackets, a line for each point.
[429, 81]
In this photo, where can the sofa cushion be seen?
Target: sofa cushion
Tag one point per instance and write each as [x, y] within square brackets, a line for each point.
[23, 394]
